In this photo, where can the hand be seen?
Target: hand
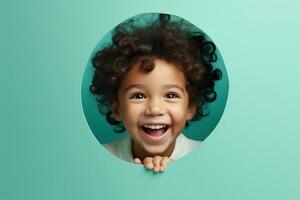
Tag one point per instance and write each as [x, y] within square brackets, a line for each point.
[156, 163]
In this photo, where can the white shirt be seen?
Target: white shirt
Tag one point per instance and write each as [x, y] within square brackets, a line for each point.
[122, 148]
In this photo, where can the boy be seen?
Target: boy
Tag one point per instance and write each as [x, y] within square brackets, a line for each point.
[154, 79]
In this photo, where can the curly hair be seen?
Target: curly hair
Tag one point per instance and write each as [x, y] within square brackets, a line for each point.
[176, 42]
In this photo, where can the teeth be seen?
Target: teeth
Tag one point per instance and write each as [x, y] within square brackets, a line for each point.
[155, 126]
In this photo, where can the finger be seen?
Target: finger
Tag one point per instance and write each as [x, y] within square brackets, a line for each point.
[164, 162]
[148, 162]
[137, 161]
[156, 163]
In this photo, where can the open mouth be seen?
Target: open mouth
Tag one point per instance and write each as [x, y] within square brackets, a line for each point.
[155, 130]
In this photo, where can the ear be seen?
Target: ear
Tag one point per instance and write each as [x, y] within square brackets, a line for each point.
[191, 111]
[115, 109]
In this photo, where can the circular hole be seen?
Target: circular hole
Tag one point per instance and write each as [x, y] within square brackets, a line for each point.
[154, 71]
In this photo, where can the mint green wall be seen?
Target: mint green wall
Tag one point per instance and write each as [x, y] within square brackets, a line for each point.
[47, 150]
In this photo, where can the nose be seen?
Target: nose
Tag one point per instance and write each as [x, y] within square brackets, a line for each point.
[154, 107]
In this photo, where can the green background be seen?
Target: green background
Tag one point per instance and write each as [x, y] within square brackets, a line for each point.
[197, 130]
[47, 150]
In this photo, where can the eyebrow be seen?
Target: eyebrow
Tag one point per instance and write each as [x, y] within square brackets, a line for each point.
[167, 86]
[133, 86]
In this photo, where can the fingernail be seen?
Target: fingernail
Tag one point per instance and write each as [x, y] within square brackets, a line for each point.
[149, 166]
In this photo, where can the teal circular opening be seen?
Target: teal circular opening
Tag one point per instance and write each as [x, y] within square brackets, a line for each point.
[197, 130]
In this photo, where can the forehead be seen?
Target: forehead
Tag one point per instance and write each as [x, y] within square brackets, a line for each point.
[162, 73]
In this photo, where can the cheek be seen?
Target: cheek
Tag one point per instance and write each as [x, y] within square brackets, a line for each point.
[179, 114]
[130, 114]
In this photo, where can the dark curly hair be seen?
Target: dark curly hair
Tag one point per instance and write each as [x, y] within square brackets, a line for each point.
[177, 42]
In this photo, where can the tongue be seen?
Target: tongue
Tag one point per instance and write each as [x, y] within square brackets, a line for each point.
[155, 132]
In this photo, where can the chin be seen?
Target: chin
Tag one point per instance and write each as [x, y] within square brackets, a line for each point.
[156, 150]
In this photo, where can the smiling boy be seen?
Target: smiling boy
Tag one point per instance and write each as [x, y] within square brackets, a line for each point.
[154, 108]
[154, 80]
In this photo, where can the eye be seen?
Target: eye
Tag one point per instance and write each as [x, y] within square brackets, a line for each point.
[172, 95]
[137, 96]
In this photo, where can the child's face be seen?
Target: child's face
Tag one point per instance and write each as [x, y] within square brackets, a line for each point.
[154, 107]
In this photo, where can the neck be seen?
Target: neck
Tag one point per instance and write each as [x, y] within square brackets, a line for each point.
[140, 153]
